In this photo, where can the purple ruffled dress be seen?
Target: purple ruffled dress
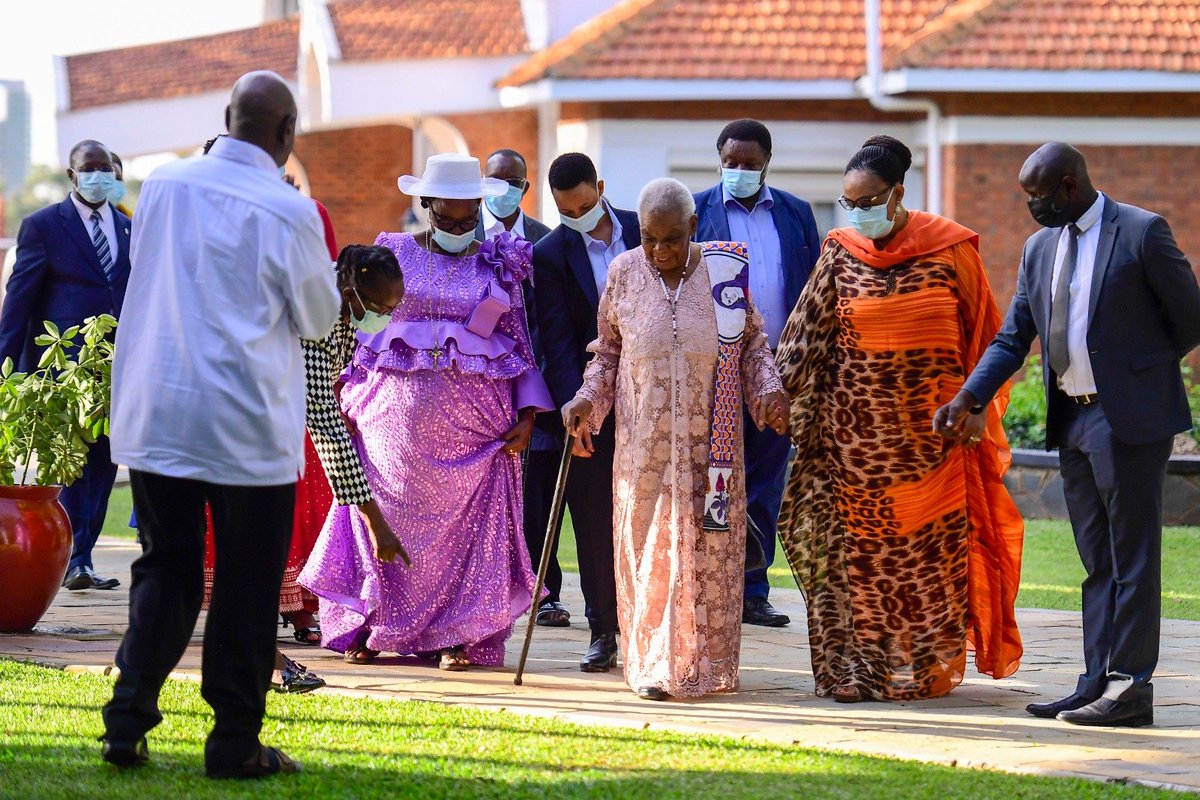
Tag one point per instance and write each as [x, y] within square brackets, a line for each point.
[432, 402]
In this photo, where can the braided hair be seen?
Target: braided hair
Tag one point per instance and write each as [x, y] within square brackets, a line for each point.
[885, 157]
[367, 267]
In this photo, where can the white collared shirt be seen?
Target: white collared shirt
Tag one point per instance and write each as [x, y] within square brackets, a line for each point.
[493, 227]
[1078, 379]
[107, 223]
[601, 255]
[229, 272]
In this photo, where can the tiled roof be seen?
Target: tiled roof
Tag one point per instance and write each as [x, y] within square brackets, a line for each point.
[183, 67]
[722, 39]
[1159, 35]
[384, 30]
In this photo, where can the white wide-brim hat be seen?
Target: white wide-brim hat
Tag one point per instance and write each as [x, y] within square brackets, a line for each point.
[451, 176]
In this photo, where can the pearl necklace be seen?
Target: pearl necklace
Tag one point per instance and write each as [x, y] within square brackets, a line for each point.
[673, 300]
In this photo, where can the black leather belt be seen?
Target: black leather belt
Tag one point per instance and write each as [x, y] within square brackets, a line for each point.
[1083, 399]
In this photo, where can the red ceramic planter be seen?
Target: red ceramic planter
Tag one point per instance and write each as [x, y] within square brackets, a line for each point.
[35, 547]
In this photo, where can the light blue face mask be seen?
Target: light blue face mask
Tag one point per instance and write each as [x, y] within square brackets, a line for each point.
[873, 222]
[588, 222]
[282, 170]
[94, 187]
[742, 183]
[117, 193]
[453, 242]
[504, 205]
[370, 321]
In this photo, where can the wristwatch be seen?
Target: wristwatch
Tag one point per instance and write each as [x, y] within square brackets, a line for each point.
[976, 409]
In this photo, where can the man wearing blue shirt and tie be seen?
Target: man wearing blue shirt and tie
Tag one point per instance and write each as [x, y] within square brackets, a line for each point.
[781, 234]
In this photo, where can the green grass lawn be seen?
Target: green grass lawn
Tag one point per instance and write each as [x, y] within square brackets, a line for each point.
[1050, 576]
[354, 747]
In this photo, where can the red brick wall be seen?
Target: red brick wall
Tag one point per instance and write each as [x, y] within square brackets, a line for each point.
[353, 172]
[518, 130]
[982, 193]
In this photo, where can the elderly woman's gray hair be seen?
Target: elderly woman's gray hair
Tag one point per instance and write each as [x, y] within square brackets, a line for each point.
[665, 196]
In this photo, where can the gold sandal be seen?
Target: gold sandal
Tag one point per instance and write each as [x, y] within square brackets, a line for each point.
[453, 659]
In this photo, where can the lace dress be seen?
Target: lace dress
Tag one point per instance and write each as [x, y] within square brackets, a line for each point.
[679, 588]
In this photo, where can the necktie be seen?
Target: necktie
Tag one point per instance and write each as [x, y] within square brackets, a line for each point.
[1060, 309]
[100, 242]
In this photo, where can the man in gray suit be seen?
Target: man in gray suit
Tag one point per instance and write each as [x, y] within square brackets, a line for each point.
[1116, 306]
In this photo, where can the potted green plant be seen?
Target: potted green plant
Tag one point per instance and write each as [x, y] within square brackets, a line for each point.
[48, 418]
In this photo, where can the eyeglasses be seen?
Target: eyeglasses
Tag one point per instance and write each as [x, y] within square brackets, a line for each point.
[453, 226]
[865, 203]
[372, 306]
[516, 183]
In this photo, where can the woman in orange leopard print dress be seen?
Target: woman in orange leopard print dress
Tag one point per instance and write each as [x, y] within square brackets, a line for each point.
[908, 551]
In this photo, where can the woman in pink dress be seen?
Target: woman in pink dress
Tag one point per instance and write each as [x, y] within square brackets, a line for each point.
[680, 348]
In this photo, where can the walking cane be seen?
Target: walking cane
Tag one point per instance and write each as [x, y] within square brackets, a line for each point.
[556, 510]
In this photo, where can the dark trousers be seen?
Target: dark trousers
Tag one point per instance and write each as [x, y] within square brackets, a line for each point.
[1114, 497]
[86, 502]
[589, 496]
[766, 470]
[252, 527]
[541, 472]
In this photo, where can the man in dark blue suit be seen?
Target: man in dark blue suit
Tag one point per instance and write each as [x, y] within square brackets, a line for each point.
[1116, 306]
[570, 267]
[72, 263]
[781, 233]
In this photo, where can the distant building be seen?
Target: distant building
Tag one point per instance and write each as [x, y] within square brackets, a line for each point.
[15, 137]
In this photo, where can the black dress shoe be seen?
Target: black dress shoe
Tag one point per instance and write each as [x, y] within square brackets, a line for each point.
[1112, 714]
[651, 693]
[757, 611]
[83, 578]
[1052, 710]
[267, 761]
[125, 754]
[602, 655]
[104, 583]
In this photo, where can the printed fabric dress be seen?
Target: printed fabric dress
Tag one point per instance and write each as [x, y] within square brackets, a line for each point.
[431, 402]
[679, 587]
[907, 548]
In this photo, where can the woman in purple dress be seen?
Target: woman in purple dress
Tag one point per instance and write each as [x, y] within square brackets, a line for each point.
[442, 401]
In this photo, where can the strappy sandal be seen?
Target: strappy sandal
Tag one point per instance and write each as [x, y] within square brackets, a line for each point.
[360, 654]
[304, 635]
[296, 679]
[553, 614]
[849, 693]
[453, 659]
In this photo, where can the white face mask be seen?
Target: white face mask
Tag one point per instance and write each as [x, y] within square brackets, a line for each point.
[873, 222]
[588, 222]
[453, 242]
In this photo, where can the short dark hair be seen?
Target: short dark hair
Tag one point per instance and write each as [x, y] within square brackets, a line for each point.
[508, 151]
[84, 145]
[368, 266]
[885, 157]
[116, 159]
[571, 169]
[745, 130]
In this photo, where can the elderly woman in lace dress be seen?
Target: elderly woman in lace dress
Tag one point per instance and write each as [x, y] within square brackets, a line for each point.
[680, 348]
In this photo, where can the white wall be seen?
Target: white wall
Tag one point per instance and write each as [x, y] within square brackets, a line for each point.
[363, 91]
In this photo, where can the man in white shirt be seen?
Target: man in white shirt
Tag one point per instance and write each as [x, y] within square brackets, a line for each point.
[230, 271]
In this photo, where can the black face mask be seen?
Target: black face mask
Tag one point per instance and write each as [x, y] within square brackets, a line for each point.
[1046, 214]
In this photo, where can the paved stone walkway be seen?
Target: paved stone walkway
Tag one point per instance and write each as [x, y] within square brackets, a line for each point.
[981, 724]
